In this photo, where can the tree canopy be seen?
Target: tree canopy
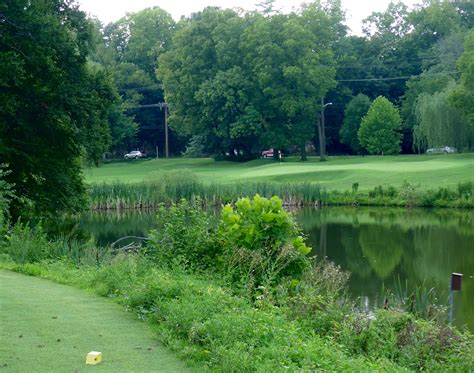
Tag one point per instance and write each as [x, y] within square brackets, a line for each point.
[53, 103]
[355, 111]
[379, 132]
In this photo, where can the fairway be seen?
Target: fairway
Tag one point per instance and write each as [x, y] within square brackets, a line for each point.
[338, 173]
[47, 327]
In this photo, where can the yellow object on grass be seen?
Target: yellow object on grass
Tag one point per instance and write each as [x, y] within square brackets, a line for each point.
[94, 357]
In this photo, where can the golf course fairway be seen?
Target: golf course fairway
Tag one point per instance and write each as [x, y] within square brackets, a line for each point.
[48, 327]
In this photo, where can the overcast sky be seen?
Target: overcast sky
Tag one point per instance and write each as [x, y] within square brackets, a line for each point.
[111, 10]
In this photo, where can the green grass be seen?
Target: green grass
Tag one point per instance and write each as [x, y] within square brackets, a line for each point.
[47, 327]
[338, 173]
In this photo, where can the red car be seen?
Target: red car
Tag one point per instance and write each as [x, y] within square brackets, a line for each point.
[267, 153]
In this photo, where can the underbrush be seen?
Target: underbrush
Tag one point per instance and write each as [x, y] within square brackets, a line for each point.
[238, 293]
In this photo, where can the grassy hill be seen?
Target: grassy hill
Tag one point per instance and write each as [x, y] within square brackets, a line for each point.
[337, 173]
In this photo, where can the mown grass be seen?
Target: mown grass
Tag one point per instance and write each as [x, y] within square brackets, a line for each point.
[338, 173]
[47, 327]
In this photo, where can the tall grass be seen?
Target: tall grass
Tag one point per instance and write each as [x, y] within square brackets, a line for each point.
[153, 193]
[175, 185]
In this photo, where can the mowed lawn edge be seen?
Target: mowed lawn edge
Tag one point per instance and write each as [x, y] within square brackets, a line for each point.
[338, 173]
[49, 327]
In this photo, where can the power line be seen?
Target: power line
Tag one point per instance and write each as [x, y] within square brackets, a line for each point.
[398, 77]
[138, 89]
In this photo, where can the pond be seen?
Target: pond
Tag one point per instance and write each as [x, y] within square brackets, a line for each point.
[378, 246]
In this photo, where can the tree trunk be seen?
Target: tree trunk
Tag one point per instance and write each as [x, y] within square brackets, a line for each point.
[303, 153]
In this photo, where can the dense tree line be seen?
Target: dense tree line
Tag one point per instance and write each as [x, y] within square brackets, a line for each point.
[239, 82]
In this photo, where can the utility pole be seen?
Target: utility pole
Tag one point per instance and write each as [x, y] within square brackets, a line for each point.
[322, 132]
[162, 106]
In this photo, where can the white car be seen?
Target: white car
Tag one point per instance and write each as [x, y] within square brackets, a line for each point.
[442, 150]
[134, 155]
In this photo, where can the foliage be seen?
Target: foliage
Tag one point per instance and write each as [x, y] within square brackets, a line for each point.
[204, 323]
[6, 196]
[379, 130]
[53, 104]
[262, 244]
[356, 109]
[441, 124]
[129, 49]
[195, 148]
[185, 234]
[421, 302]
[26, 244]
[463, 96]
[403, 339]
[210, 91]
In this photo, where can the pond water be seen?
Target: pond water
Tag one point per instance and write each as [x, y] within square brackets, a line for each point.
[378, 246]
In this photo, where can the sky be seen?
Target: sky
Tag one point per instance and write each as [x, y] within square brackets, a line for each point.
[112, 10]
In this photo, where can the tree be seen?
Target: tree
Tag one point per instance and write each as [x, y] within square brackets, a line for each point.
[463, 96]
[129, 49]
[355, 111]
[379, 132]
[53, 104]
[436, 76]
[248, 82]
[439, 123]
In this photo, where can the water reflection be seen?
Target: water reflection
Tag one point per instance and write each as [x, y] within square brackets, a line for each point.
[379, 246]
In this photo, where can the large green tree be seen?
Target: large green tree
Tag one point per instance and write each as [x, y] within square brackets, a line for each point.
[355, 111]
[53, 103]
[248, 82]
[439, 123]
[379, 132]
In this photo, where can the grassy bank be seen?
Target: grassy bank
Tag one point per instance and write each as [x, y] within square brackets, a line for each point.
[205, 324]
[338, 173]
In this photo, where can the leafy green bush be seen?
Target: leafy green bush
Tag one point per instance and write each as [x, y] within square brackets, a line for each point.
[261, 242]
[185, 234]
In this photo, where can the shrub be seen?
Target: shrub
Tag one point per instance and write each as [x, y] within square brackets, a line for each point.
[411, 343]
[5, 197]
[185, 234]
[319, 299]
[25, 244]
[261, 242]
[466, 189]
